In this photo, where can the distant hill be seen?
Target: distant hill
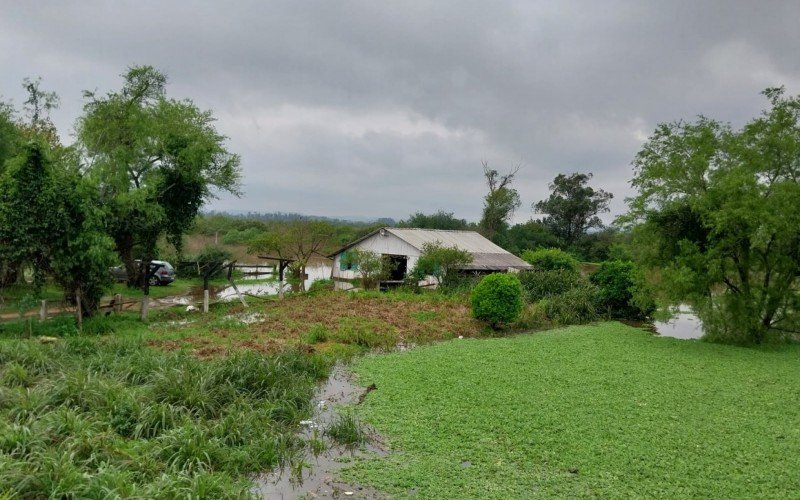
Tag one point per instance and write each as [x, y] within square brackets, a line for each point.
[291, 216]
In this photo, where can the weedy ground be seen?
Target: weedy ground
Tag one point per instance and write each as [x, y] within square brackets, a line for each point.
[107, 416]
[603, 411]
[189, 405]
[338, 324]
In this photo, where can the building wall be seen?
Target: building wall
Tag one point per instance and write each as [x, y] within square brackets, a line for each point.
[386, 244]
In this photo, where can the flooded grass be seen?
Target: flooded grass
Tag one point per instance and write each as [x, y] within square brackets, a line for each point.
[601, 410]
[335, 438]
[347, 430]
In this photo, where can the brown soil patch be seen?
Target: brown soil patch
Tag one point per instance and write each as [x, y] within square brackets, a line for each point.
[417, 319]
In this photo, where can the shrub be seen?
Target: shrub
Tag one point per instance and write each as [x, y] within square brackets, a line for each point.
[550, 259]
[621, 291]
[439, 261]
[497, 299]
[533, 316]
[538, 285]
[576, 305]
[319, 285]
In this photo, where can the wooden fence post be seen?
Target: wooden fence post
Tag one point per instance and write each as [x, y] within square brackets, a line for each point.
[145, 304]
[117, 303]
[43, 311]
[78, 310]
[205, 300]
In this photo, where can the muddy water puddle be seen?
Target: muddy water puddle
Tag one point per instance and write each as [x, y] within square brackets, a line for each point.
[317, 478]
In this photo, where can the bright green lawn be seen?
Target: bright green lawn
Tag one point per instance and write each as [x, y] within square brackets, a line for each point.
[604, 410]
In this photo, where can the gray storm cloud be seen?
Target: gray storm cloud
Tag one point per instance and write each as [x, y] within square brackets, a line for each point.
[382, 109]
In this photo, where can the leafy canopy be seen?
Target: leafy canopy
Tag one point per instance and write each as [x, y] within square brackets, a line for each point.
[439, 261]
[573, 206]
[156, 159]
[719, 209]
[497, 299]
[438, 220]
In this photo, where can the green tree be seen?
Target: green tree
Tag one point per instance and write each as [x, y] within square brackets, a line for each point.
[10, 135]
[499, 204]
[532, 234]
[371, 267]
[438, 220]
[50, 221]
[440, 262]
[157, 161]
[37, 108]
[297, 241]
[84, 253]
[550, 259]
[30, 222]
[719, 209]
[573, 206]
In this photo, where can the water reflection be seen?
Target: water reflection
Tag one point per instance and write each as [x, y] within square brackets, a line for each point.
[314, 272]
[684, 325]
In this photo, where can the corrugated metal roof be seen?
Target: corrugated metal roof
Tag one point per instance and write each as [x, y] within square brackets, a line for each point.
[495, 261]
[485, 254]
[464, 240]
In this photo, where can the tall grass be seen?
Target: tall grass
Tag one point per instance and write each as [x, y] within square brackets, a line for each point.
[94, 417]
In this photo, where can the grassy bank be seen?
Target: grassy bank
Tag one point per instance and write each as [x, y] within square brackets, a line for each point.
[591, 411]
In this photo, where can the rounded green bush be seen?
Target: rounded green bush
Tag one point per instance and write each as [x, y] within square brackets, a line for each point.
[497, 299]
[550, 259]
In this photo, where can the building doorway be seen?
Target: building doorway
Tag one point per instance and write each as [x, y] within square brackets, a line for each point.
[398, 265]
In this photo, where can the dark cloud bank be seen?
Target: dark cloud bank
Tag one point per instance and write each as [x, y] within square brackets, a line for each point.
[382, 109]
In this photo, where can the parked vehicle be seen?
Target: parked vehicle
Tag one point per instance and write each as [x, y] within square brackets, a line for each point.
[161, 272]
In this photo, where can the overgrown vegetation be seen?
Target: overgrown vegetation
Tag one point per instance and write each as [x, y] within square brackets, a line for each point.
[717, 218]
[441, 262]
[550, 259]
[93, 417]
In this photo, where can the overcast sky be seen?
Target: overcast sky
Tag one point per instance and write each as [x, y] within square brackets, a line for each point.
[381, 109]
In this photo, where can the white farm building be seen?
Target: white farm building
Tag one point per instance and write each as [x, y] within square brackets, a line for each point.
[403, 247]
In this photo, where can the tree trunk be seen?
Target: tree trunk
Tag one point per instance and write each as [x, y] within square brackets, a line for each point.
[125, 250]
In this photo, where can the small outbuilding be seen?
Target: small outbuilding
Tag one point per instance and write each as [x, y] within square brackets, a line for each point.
[402, 247]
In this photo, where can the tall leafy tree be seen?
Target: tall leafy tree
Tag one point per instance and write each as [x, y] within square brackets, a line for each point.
[573, 207]
[10, 135]
[719, 216]
[156, 159]
[50, 220]
[499, 204]
[30, 222]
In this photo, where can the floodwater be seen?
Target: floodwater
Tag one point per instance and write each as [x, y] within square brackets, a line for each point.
[314, 271]
[316, 480]
[684, 324]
